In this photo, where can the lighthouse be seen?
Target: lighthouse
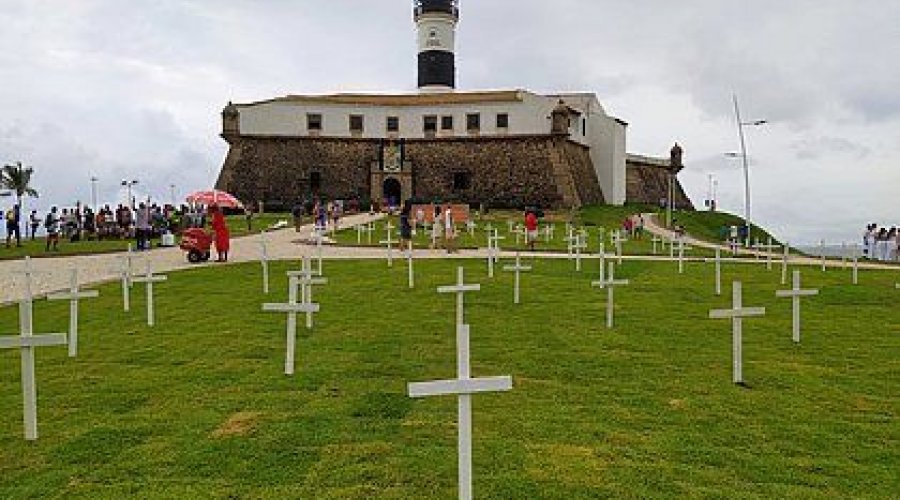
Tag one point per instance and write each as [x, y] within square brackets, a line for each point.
[436, 22]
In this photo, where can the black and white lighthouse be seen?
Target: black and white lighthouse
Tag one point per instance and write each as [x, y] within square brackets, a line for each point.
[436, 23]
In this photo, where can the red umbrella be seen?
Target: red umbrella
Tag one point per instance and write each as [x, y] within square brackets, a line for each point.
[214, 196]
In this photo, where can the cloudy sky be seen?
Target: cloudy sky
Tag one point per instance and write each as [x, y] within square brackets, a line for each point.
[133, 89]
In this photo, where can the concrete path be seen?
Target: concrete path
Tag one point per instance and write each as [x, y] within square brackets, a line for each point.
[53, 274]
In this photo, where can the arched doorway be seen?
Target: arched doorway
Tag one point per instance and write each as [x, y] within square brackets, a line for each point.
[392, 191]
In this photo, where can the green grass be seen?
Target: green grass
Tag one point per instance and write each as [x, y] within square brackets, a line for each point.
[37, 248]
[644, 410]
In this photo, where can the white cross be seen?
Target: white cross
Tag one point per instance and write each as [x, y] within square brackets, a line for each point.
[434, 234]
[471, 227]
[510, 226]
[319, 238]
[602, 258]
[548, 233]
[518, 268]
[126, 275]
[264, 261]
[26, 341]
[855, 265]
[73, 296]
[359, 232]
[570, 241]
[822, 254]
[736, 314]
[292, 308]
[681, 249]
[656, 240]
[389, 242]
[580, 244]
[493, 251]
[409, 266]
[795, 295]
[149, 279]
[718, 271]
[784, 262]
[463, 386]
[610, 284]
[618, 240]
[519, 231]
[306, 279]
[768, 247]
[672, 247]
[370, 228]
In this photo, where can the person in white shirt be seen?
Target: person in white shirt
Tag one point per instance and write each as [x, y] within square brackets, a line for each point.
[449, 230]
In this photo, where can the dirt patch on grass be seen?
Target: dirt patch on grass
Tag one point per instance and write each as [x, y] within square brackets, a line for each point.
[241, 423]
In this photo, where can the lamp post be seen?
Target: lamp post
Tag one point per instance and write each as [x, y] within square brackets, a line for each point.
[743, 156]
[94, 194]
[127, 184]
[172, 193]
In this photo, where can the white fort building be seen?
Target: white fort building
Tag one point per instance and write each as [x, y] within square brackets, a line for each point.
[506, 148]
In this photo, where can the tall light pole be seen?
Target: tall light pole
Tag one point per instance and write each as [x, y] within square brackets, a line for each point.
[743, 155]
[127, 184]
[172, 193]
[94, 194]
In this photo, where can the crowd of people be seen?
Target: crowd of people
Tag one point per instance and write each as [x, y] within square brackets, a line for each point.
[141, 222]
[881, 243]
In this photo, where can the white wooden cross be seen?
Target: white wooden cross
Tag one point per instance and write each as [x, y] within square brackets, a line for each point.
[510, 226]
[718, 271]
[126, 275]
[580, 244]
[736, 314]
[784, 262]
[822, 254]
[570, 241]
[390, 244]
[656, 240]
[768, 247]
[493, 251]
[292, 308]
[618, 239]
[149, 279]
[795, 294]
[264, 260]
[471, 227]
[26, 341]
[409, 265]
[305, 278]
[519, 230]
[672, 247]
[518, 268]
[319, 258]
[359, 232]
[681, 249]
[370, 228]
[601, 256]
[610, 284]
[548, 233]
[73, 296]
[463, 386]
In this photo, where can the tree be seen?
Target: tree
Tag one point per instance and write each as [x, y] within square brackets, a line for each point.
[17, 179]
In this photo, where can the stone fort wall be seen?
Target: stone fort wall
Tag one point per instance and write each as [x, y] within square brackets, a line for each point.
[514, 171]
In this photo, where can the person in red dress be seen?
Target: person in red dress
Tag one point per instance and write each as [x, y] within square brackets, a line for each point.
[222, 238]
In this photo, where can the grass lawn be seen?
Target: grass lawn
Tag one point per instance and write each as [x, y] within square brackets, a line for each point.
[36, 248]
[199, 406]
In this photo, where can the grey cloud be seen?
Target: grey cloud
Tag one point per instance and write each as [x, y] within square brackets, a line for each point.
[823, 147]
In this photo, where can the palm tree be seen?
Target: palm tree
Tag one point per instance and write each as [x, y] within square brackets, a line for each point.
[17, 179]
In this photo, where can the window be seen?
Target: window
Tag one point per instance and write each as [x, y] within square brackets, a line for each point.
[430, 124]
[473, 122]
[315, 181]
[393, 124]
[446, 123]
[462, 181]
[584, 127]
[502, 120]
[314, 121]
[357, 123]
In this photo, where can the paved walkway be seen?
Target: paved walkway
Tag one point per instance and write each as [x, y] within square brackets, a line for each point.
[53, 274]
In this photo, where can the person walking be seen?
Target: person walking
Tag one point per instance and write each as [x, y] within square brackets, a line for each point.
[220, 228]
[142, 227]
[13, 217]
[531, 228]
[449, 230]
[51, 224]
[35, 222]
[405, 226]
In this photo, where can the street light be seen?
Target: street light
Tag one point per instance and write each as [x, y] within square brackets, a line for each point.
[127, 185]
[94, 195]
[743, 156]
[172, 188]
